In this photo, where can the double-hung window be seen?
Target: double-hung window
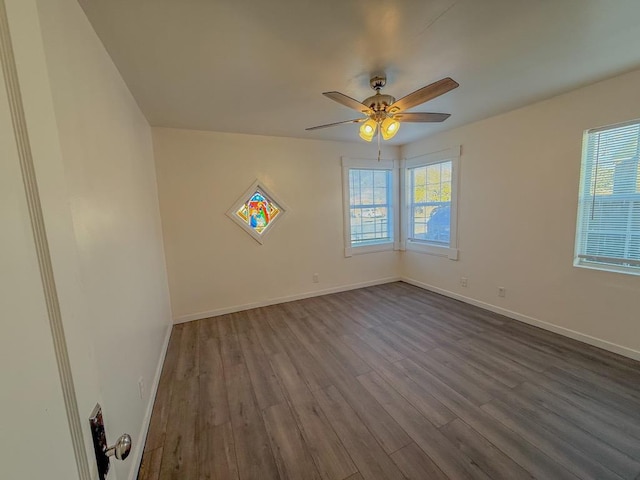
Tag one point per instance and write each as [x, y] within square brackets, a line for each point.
[608, 226]
[370, 192]
[430, 203]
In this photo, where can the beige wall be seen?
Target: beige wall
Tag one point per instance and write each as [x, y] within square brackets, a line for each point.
[517, 216]
[213, 265]
[93, 155]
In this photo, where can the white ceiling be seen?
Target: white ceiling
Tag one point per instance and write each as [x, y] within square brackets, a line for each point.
[260, 66]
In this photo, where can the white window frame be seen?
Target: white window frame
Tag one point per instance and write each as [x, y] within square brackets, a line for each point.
[365, 164]
[423, 246]
[582, 260]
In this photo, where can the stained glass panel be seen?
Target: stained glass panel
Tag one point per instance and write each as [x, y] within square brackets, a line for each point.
[258, 212]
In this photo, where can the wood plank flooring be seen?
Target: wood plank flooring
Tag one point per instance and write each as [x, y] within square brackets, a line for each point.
[389, 382]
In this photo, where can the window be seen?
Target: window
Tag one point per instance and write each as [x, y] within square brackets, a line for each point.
[430, 203]
[369, 197]
[608, 227]
[256, 211]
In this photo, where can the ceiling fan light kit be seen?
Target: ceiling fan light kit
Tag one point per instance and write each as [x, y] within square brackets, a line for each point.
[389, 127]
[383, 114]
[368, 130]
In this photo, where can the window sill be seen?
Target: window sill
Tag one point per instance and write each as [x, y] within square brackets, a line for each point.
[607, 268]
[376, 247]
[431, 249]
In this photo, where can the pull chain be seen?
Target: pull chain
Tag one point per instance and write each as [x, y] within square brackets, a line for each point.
[379, 153]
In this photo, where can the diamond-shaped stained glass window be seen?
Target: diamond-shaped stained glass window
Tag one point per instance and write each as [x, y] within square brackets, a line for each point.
[259, 212]
[256, 211]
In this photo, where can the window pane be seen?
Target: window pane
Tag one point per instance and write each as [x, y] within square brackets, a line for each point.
[420, 175]
[433, 174]
[380, 179]
[420, 217]
[431, 205]
[354, 179]
[446, 172]
[370, 209]
[420, 184]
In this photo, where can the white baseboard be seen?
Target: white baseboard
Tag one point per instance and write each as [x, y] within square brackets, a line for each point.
[581, 337]
[274, 301]
[142, 436]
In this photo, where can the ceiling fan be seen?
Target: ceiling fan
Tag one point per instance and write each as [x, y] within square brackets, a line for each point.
[385, 113]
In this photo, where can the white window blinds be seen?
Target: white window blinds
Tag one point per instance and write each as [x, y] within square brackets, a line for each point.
[608, 233]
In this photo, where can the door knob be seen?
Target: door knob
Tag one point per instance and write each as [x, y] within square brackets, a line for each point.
[121, 449]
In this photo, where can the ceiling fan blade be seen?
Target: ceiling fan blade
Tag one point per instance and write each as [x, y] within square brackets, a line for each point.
[423, 95]
[359, 120]
[421, 117]
[343, 99]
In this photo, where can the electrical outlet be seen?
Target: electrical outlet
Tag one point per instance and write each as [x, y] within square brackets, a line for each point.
[464, 282]
[141, 387]
[502, 292]
[316, 278]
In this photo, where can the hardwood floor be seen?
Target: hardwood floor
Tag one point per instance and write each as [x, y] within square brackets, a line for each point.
[389, 382]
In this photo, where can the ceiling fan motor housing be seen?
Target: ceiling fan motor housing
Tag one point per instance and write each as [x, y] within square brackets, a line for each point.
[379, 102]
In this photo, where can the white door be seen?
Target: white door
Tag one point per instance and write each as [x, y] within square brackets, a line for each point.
[35, 440]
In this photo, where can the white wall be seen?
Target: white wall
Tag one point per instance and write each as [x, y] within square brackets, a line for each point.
[93, 155]
[517, 215]
[213, 265]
